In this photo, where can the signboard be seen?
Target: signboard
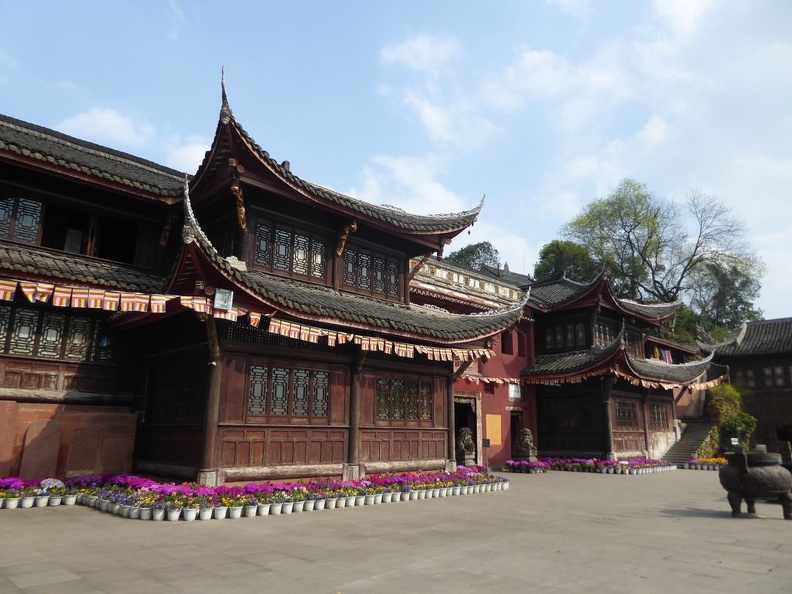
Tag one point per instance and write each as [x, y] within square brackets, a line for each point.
[494, 430]
[224, 299]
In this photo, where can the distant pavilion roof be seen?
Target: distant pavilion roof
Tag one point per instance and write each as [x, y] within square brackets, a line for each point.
[578, 366]
[560, 291]
[766, 337]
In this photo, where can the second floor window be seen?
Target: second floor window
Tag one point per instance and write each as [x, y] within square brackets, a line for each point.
[63, 227]
[52, 334]
[291, 251]
[371, 273]
[20, 220]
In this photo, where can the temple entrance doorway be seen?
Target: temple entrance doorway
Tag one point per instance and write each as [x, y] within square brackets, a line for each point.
[467, 429]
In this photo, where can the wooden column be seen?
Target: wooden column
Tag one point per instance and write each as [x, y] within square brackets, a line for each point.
[644, 399]
[451, 462]
[208, 474]
[353, 459]
[607, 384]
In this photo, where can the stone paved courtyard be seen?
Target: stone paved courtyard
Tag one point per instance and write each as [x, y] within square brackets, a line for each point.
[558, 532]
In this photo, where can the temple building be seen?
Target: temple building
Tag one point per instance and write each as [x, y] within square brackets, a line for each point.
[242, 323]
[604, 385]
[759, 358]
[237, 324]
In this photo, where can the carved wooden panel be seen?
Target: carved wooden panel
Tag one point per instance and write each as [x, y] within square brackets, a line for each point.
[629, 441]
[392, 445]
[282, 446]
[30, 374]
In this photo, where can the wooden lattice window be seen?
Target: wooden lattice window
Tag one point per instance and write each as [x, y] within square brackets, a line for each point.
[20, 219]
[626, 415]
[257, 390]
[403, 399]
[52, 335]
[283, 249]
[278, 390]
[374, 274]
[383, 398]
[658, 416]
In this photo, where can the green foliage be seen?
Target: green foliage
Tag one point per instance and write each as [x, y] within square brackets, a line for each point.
[475, 255]
[725, 400]
[723, 297]
[711, 448]
[737, 424]
[656, 250]
[565, 258]
[726, 406]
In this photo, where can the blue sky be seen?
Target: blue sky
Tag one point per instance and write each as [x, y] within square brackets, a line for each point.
[542, 106]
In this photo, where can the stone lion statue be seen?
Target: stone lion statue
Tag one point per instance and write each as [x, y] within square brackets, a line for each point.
[466, 448]
[525, 449]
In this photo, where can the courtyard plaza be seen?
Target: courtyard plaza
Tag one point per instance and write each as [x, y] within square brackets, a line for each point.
[559, 532]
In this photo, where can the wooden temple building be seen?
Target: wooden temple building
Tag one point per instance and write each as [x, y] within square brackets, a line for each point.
[759, 359]
[604, 386]
[242, 323]
[238, 324]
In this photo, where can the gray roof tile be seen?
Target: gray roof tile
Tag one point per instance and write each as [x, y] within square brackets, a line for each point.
[67, 152]
[310, 300]
[766, 337]
[57, 266]
[425, 224]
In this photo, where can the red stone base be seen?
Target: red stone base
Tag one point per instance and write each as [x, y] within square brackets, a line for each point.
[40, 440]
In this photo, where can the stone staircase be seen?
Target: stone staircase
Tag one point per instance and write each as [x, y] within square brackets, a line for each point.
[696, 431]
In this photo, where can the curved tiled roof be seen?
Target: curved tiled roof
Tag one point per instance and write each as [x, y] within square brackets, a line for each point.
[567, 363]
[324, 304]
[427, 224]
[653, 311]
[79, 156]
[766, 337]
[58, 265]
[551, 293]
[578, 363]
[679, 372]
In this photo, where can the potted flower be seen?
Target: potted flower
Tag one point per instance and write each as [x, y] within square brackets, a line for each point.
[28, 496]
[174, 503]
[191, 508]
[205, 507]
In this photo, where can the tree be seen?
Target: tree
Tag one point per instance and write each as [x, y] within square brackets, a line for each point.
[723, 298]
[475, 255]
[568, 258]
[653, 250]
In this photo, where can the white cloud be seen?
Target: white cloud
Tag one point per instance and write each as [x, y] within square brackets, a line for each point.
[107, 126]
[187, 155]
[535, 73]
[577, 8]
[176, 19]
[457, 124]
[681, 17]
[425, 52]
[409, 183]
[582, 91]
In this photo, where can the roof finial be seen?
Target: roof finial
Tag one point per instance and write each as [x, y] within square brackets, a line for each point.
[225, 110]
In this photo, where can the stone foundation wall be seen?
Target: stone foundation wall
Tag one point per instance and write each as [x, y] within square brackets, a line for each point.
[39, 440]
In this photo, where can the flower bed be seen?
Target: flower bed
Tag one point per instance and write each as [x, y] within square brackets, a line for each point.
[526, 466]
[629, 466]
[706, 463]
[136, 497]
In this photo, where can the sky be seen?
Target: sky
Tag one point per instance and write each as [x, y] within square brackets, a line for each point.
[541, 106]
